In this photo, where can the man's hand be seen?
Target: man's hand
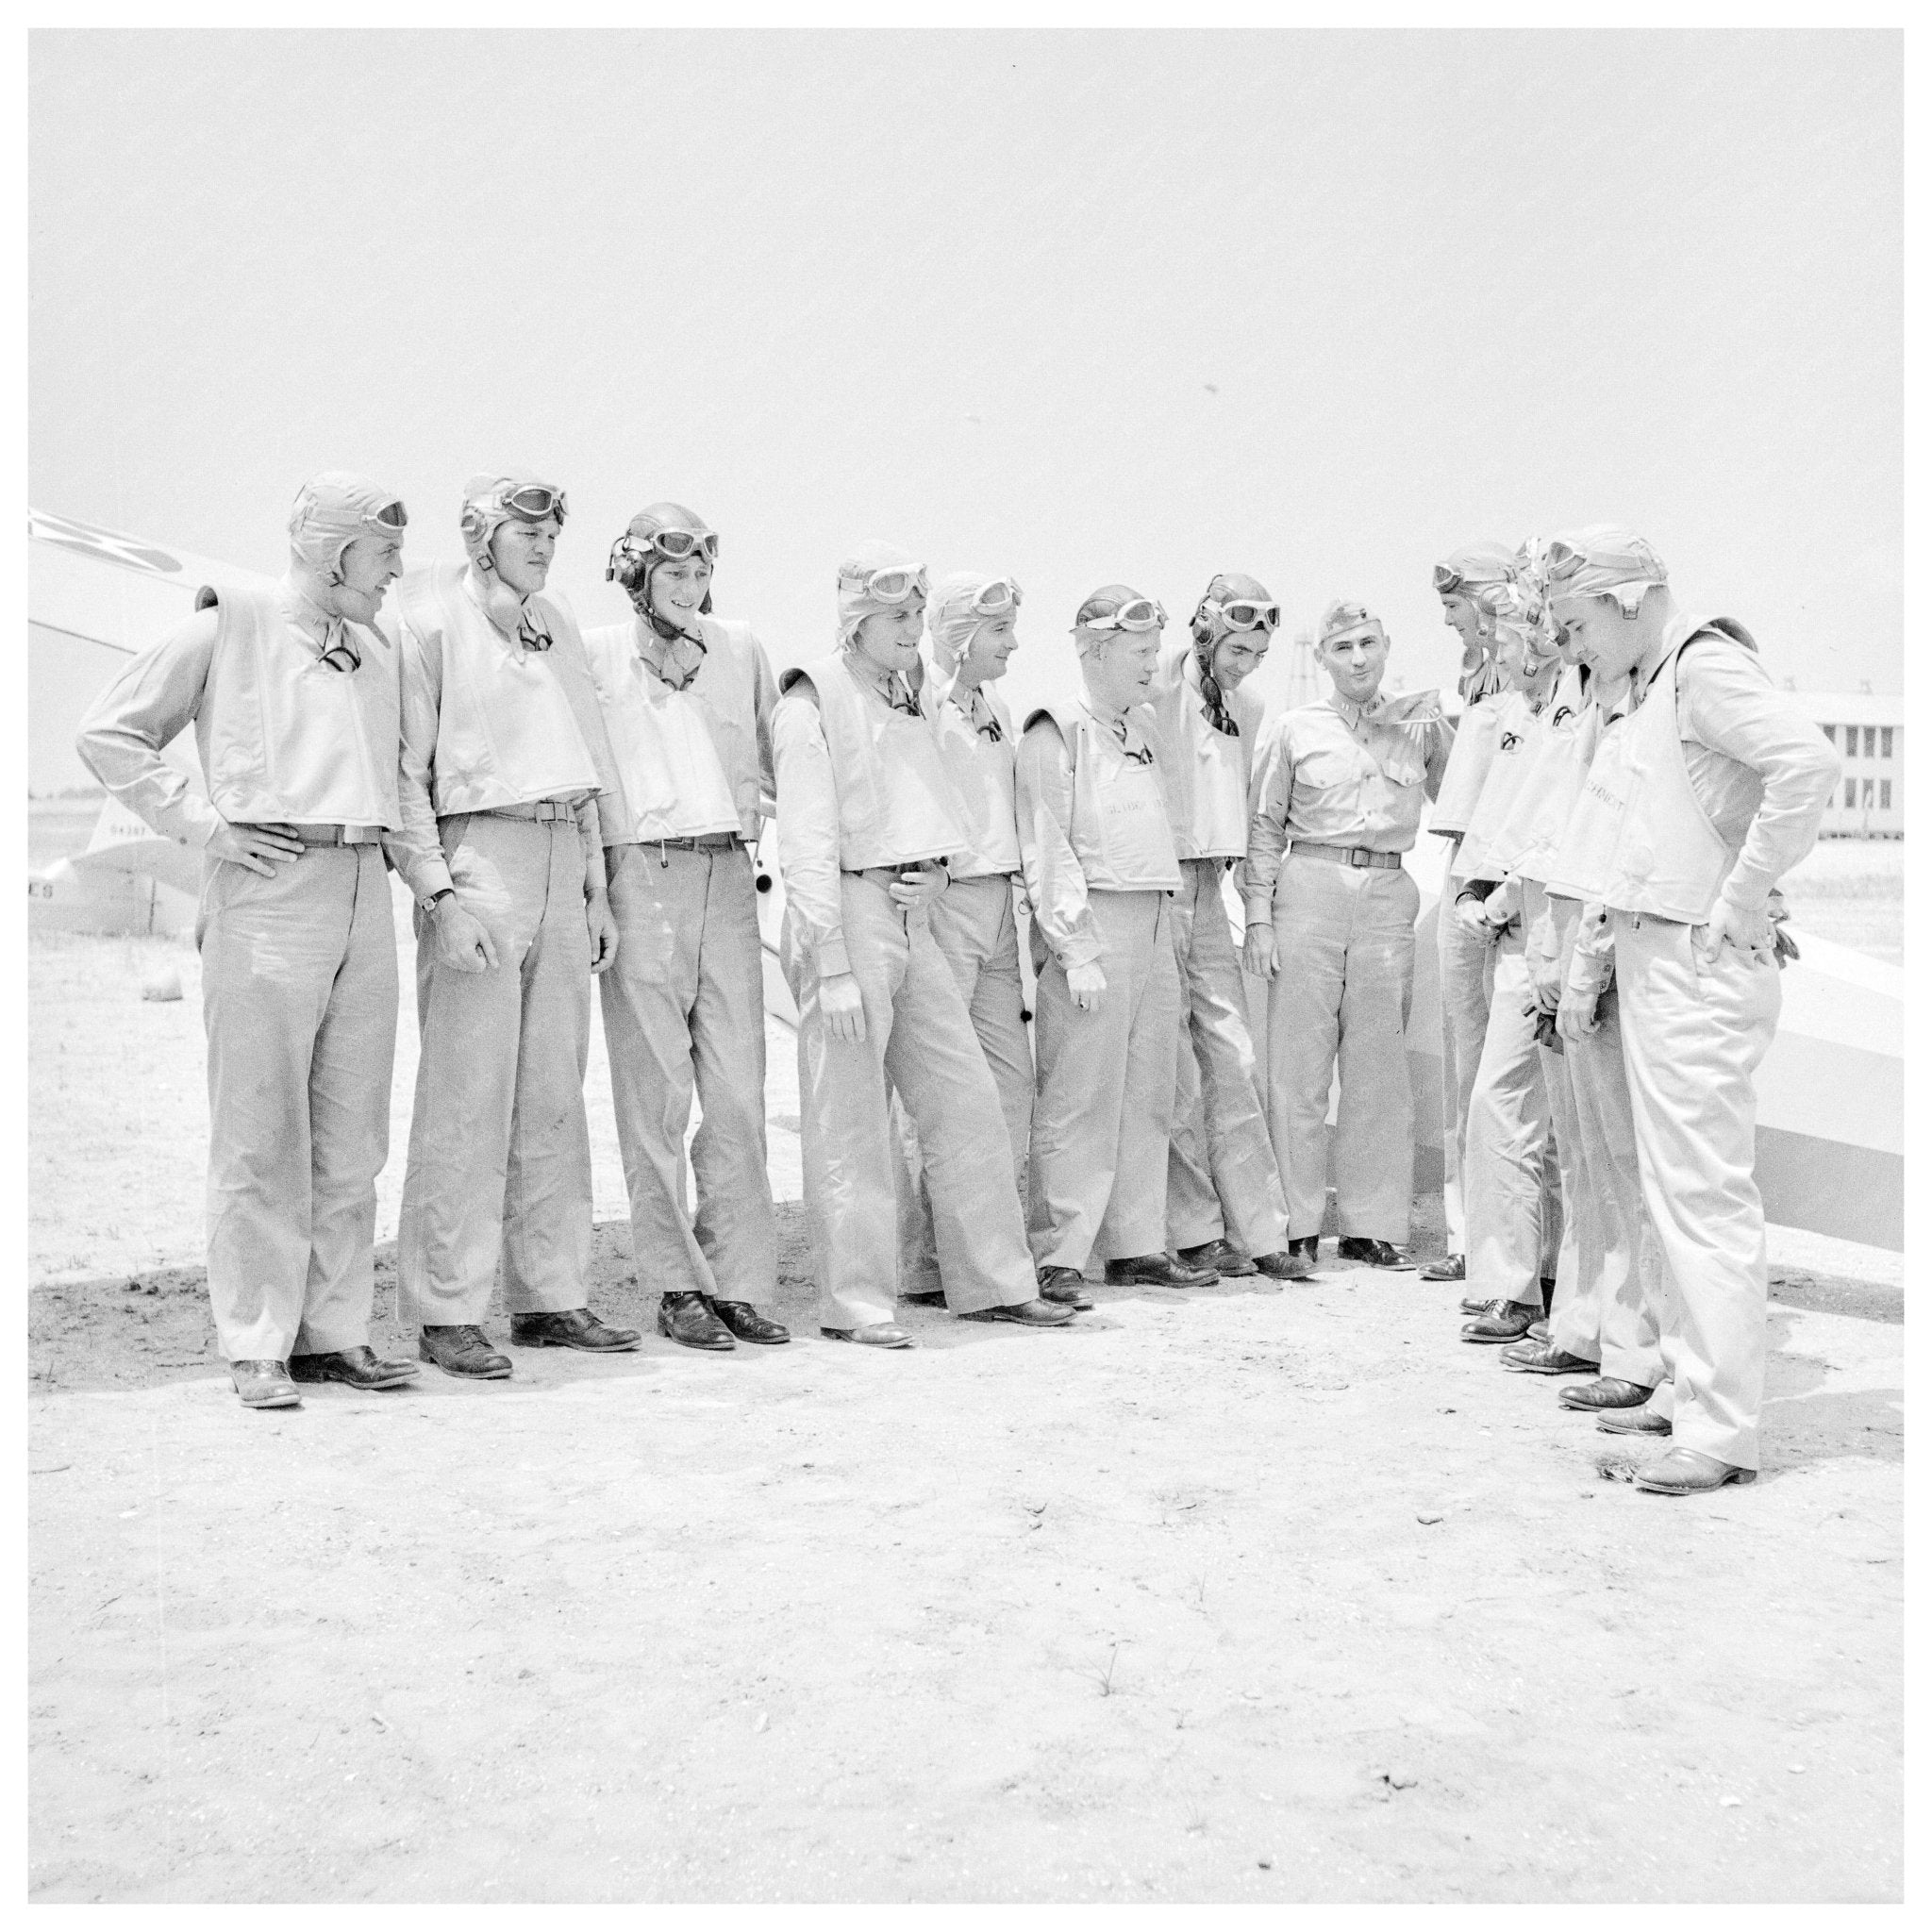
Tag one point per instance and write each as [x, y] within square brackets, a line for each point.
[603, 932]
[911, 890]
[462, 940]
[1748, 932]
[842, 1007]
[1577, 1013]
[1087, 984]
[1474, 916]
[255, 846]
[1260, 956]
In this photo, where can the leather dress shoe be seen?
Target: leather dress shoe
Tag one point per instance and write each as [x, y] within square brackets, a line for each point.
[1307, 1246]
[360, 1367]
[1544, 1358]
[1370, 1253]
[1222, 1257]
[1689, 1472]
[571, 1328]
[1285, 1264]
[1157, 1271]
[264, 1385]
[1500, 1321]
[1450, 1268]
[1606, 1392]
[1033, 1314]
[461, 1348]
[873, 1335]
[1066, 1286]
[1633, 1421]
[1539, 1331]
[746, 1323]
[926, 1297]
[686, 1317]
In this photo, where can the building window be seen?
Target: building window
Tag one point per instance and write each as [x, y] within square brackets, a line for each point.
[1867, 795]
[1851, 740]
[1871, 743]
[1851, 795]
[1885, 743]
[1885, 795]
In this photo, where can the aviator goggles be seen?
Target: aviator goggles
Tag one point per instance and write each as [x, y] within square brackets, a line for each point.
[389, 521]
[676, 545]
[898, 583]
[1449, 578]
[533, 502]
[1137, 613]
[1248, 613]
[996, 599]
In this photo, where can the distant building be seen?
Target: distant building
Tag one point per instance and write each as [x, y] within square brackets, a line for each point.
[1867, 730]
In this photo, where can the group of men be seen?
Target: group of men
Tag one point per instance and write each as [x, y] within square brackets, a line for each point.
[570, 806]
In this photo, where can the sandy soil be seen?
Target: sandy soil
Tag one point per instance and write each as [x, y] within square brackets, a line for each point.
[1225, 1596]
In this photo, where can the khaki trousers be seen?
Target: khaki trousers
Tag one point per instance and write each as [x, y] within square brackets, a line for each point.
[684, 1009]
[1693, 1039]
[499, 1147]
[919, 1042]
[1105, 1103]
[1347, 944]
[1504, 1147]
[1464, 971]
[1220, 1174]
[298, 990]
[1610, 1316]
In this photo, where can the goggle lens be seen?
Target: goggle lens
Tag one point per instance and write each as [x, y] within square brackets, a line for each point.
[1448, 578]
[679, 545]
[1143, 613]
[391, 516]
[894, 585]
[536, 501]
[1002, 594]
[1562, 562]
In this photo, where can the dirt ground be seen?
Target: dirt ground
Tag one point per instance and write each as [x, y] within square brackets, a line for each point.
[1232, 1597]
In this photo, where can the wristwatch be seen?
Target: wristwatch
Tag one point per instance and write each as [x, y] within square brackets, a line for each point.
[435, 899]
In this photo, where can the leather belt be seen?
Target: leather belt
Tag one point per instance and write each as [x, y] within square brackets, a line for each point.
[544, 811]
[704, 842]
[890, 874]
[1347, 855]
[331, 835]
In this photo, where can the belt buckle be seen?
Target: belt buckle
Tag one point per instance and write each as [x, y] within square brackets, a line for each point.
[1360, 857]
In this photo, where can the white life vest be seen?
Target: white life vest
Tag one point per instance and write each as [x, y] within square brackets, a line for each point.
[1527, 841]
[982, 777]
[896, 804]
[1206, 771]
[1467, 766]
[512, 726]
[284, 738]
[1121, 832]
[676, 750]
[1519, 735]
[1637, 840]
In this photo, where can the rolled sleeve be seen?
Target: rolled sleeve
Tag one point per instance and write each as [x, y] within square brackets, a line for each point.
[149, 706]
[1055, 885]
[808, 827]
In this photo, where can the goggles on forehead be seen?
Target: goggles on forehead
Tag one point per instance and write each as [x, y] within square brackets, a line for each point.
[898, 583]
[1449, 578]
[390, 520]
[997, 598]
[1137, 613]
[1249, 613]
[533, 502]
[676, 545]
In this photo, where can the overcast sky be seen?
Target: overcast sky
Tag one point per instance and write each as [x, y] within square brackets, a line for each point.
[1077, 306]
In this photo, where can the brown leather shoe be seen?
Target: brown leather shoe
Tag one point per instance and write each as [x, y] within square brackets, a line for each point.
[873, 1335]
[1285, 1264]
[1366, 1252]
[1220, 1257]
[746, 1323]
[571, 1328]
[264, 1385]
[1633, 1421]
[1033, 1314]
[1544, 1358]
[685, 1317]
[462, 1349]
[1606, 1392]
[360, 1367]
[1157, 1271]
[1688, 1473]
[1500, 1321]
[1065, 1286]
